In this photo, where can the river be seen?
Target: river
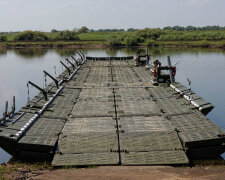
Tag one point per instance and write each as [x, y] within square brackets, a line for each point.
[204, 67]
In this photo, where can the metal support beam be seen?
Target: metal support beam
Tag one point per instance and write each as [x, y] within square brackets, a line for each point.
[70, 63]
[5, 114]
[13, 107]
[65, 67]
[55, 80]
[80, 55]
[6, 109]
[147, 61]
[75, 60]
[40, 89]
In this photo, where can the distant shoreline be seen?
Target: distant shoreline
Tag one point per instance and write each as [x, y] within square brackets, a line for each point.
[103, 44]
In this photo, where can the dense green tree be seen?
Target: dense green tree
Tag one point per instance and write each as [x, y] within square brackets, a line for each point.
[3, 38]
[54, 31]
[167, 28]
[131, 30]
[110, 30]
[83, 29]
[192, 28]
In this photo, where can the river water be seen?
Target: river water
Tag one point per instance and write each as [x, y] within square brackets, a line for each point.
[204, 67]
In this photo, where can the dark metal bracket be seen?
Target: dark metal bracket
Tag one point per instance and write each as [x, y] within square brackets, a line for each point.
[70, 63]
[55, 80]
[65, 67]
[75, 60]
[6, 114]
[40, 89]
[80, 55]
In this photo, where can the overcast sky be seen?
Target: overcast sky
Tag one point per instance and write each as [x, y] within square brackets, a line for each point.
[44, 15]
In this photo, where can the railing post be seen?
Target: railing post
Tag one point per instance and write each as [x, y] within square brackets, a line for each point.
[170, 70]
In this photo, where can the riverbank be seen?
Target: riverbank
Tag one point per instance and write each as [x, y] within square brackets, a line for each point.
[53, 44]
[142, 37]
[103, 44]
[45, 171]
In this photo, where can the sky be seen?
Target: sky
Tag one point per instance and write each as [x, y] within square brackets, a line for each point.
[45, 15]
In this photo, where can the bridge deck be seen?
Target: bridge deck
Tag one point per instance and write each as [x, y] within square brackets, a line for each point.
[116, 121]
[109, 113]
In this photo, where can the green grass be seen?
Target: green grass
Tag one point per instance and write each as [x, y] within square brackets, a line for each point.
[84, 36]
[99, 35]
[143, 38]
[10, 36]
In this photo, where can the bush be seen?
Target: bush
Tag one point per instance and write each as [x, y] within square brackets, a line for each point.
[67, 35]
[83, 30]
[150, 33]
[31, 36]
[113, 41]
[151, 43]
[204, 44]
[131, 41]
[3, 38]
[192, 35]
[222, 45]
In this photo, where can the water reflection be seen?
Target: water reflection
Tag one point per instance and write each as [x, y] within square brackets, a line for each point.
[62, 52]
[205, 67]
[111, 52]
[30, 53]
[180, 51]
[129, 51]
[3, 52]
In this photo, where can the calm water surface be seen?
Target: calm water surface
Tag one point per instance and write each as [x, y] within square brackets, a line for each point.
[205, 68]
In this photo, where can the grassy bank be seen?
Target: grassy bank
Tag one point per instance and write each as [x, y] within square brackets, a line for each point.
[145, 37]
[187, 44]
[52, 44]
[103, 44]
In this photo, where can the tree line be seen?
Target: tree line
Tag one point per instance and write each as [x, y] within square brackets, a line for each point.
[129, 37]
[154, 36]
[84, 29]
[193, 28]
